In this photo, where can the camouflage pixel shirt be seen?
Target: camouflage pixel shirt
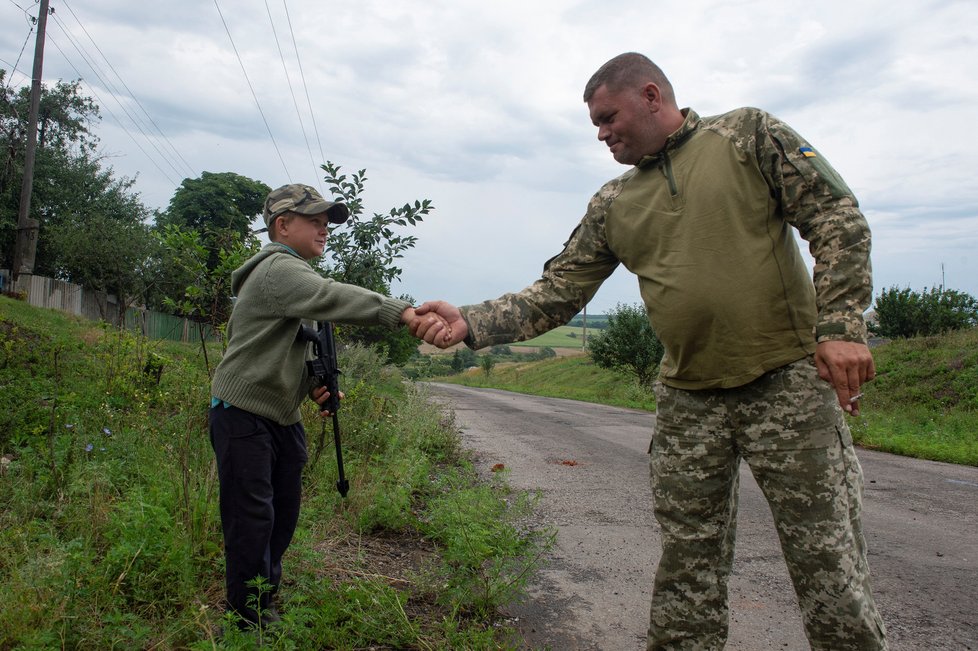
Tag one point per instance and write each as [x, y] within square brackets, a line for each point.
[706, 226]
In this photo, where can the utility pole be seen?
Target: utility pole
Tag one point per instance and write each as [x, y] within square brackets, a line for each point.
[584, 338]
[25, 248]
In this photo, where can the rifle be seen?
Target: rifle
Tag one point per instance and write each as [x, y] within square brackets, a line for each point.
[325, 369]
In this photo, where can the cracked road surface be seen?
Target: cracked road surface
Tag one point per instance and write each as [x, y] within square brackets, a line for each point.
[590, 466]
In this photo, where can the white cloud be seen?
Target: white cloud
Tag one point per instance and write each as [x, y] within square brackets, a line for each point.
[477, 106]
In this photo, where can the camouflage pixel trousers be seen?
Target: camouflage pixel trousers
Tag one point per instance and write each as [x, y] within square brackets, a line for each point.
[789, 428]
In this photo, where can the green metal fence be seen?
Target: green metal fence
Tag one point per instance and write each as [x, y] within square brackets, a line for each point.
[98, 306]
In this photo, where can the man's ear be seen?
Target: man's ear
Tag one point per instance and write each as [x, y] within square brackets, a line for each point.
[652, 95]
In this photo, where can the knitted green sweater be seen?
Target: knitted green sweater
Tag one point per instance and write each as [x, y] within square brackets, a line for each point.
[263, 370]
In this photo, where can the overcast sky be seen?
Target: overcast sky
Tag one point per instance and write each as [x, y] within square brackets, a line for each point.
[477, 106]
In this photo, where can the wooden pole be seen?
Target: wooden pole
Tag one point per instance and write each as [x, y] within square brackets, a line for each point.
[25, 249]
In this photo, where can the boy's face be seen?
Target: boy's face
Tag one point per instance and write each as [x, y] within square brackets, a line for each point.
[304, 235]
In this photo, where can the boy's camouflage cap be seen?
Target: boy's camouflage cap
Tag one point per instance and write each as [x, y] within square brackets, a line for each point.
[303, 200]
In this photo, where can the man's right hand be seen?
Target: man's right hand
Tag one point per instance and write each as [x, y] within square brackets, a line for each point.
[447, 331]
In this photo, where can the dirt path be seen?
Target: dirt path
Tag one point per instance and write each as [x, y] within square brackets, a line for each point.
[590, 464]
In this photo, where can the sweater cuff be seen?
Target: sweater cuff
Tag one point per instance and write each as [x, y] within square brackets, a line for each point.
[391, 310]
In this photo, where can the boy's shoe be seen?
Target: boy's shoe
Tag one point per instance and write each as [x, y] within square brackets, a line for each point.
[270, 616]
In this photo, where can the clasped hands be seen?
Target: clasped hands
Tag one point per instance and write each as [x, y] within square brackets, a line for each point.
[437, 323]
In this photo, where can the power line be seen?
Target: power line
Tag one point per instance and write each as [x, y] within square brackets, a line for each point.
[252, 89]
[13, 68]
[132, 95]
[23, 9]
[305, 86]
[105, 106]
[295, 103]
[116, 95]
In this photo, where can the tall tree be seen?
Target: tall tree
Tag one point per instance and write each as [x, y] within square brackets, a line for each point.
[107, 246]
[68, 175]
[215, 202]
[210, 217]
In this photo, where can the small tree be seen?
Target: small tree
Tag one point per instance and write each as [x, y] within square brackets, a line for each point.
[905, 313]
[202, 293]
[462, 359]
[365, 252]
[106, 247]
[488, 362]
[457, 364]
[628, 344]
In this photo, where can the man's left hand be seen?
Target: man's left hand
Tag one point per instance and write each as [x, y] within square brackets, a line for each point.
[846, 365]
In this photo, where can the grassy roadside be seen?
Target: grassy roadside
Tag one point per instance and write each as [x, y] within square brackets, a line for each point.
[109, 530]
[559, 337]
[575, 378]
[923, 403]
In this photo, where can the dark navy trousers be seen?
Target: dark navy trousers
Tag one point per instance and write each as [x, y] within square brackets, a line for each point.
[259, 466]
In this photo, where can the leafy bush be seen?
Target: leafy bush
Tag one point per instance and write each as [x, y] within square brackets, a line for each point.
[906, 313]
[487, 363]
[628, 344]
[546, 353]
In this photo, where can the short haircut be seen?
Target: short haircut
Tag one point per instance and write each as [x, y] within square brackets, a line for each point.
[628, 69]
[273, 227]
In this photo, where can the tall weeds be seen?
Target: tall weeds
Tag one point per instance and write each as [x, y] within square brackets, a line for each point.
[109, 529]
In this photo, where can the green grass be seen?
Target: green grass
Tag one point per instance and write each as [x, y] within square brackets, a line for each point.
[109, 532]
[576, 378]
[560, 337]
[923, 402]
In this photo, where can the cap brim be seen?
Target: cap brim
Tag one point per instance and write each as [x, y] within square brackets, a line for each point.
[338, 213]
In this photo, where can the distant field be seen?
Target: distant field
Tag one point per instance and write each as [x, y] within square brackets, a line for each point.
[562, 337]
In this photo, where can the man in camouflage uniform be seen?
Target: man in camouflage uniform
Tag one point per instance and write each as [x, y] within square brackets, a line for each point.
[704, 218]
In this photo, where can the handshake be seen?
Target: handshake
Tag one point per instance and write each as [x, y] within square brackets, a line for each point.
[437, 323]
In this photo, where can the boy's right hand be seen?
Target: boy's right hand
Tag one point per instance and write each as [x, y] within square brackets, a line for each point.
[319, 396]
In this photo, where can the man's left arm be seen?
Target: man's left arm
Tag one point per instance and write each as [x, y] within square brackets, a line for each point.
[817, 202]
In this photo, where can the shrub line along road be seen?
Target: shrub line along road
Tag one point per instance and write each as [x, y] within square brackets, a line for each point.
[590, 464]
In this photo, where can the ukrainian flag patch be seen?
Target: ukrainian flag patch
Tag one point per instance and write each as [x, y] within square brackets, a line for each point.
[807, 152]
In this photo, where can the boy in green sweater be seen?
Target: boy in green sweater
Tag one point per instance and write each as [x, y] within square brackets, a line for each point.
[255, 425]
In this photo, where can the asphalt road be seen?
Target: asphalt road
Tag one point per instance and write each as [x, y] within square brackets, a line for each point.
[590, 466]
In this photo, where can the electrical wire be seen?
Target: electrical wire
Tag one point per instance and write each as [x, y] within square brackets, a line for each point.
[116, 95]
[105, 106]
[13, 68]
[305, 86]
[253, 94]
[295, 102]
[187, 166]
[93, 66]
